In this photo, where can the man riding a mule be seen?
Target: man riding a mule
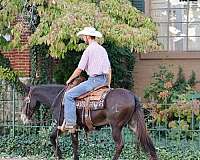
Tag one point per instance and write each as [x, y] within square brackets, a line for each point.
[96, 63]
[120, 107]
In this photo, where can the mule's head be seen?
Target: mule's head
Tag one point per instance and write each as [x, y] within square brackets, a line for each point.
[28, 108]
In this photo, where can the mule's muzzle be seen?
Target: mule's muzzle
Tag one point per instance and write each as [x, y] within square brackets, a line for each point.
[25, 119]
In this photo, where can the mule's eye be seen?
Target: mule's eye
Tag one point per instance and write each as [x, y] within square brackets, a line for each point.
[27, 99]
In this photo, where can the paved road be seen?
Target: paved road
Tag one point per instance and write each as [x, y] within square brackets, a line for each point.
[20, 158]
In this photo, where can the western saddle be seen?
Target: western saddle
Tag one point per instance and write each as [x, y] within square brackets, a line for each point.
[90, 101]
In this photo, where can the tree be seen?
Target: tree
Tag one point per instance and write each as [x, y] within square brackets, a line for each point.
[9, 9]
[60, 20]
[55, 24]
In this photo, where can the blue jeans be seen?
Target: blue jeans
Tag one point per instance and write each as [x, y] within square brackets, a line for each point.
[70, 95]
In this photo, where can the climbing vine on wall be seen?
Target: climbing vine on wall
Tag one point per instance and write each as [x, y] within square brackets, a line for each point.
[7, 74]
[41, 65]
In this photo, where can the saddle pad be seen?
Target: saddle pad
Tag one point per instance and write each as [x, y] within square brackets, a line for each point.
[94, 95]
[93, 104]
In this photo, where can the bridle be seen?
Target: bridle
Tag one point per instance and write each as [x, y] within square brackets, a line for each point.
[28, 110]
[27, 104]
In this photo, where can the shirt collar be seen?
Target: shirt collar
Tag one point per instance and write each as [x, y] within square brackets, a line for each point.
[93, 42]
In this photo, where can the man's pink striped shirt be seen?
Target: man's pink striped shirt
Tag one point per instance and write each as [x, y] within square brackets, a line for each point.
[95, 60]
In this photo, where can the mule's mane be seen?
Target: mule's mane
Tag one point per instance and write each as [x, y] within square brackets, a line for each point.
[44, 93]
[44, 87]
[75, 82]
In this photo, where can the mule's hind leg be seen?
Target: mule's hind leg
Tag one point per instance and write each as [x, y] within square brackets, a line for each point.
[74, 137]
[119, 144]
[54, 142]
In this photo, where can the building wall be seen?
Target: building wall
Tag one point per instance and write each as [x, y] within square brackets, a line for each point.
[177, 31]
[147, 64]
[20, 59]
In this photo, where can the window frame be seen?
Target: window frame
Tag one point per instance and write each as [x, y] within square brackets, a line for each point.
[148, 12]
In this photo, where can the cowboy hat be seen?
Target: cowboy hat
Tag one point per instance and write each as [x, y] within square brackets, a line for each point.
[89, 31]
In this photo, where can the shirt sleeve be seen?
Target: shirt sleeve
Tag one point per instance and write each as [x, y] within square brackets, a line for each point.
[106, 66]
[84, 60]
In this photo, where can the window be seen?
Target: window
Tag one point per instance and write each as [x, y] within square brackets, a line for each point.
[177, 23]
[186, 0]
[139, 4]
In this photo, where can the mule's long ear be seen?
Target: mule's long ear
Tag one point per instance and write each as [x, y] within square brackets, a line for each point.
[22, 86]
[27, 88]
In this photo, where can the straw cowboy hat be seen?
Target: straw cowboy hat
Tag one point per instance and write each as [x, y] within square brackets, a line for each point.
[89, 31]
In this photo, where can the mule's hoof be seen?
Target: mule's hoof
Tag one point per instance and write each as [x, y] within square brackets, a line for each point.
[59, 158]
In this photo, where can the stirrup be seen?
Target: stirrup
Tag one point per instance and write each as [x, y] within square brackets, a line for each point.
[67, 127]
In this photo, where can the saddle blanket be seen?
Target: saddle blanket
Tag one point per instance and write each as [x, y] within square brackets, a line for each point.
[93, 104]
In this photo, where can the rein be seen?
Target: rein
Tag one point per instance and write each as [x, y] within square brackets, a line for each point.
[65, 88]
[33, 121]
[28, 101]
[57, 131]
[29, 111]
[28, 107]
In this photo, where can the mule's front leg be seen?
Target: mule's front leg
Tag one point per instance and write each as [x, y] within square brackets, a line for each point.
[54, 142]
[74, 137]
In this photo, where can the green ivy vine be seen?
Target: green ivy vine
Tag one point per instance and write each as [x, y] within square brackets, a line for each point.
[41, 64]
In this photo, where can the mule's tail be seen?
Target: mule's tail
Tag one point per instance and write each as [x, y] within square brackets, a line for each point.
[137, 125]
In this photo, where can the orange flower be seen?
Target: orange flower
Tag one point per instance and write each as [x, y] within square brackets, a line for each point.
[168, 85]
[163, 94]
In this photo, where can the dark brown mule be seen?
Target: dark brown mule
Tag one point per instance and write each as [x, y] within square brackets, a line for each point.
[121, 108]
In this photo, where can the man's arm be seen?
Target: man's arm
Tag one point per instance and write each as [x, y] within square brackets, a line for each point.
[75, 74]
[109, 77]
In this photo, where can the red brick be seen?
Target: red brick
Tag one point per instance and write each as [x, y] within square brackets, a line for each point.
[20, 59]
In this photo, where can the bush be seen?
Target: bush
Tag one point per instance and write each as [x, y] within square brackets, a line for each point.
[122, 62]
[99, 146]
[173, 106]
[165, 89]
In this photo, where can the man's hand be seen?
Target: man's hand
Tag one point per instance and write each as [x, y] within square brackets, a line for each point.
[75, 74]
[68, 82]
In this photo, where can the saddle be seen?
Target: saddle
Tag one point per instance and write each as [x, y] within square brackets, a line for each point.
[91, 101]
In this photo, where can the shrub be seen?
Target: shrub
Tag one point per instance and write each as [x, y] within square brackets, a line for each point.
[122, 62]
[165, 89]
[98, 146]
[173, 106]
